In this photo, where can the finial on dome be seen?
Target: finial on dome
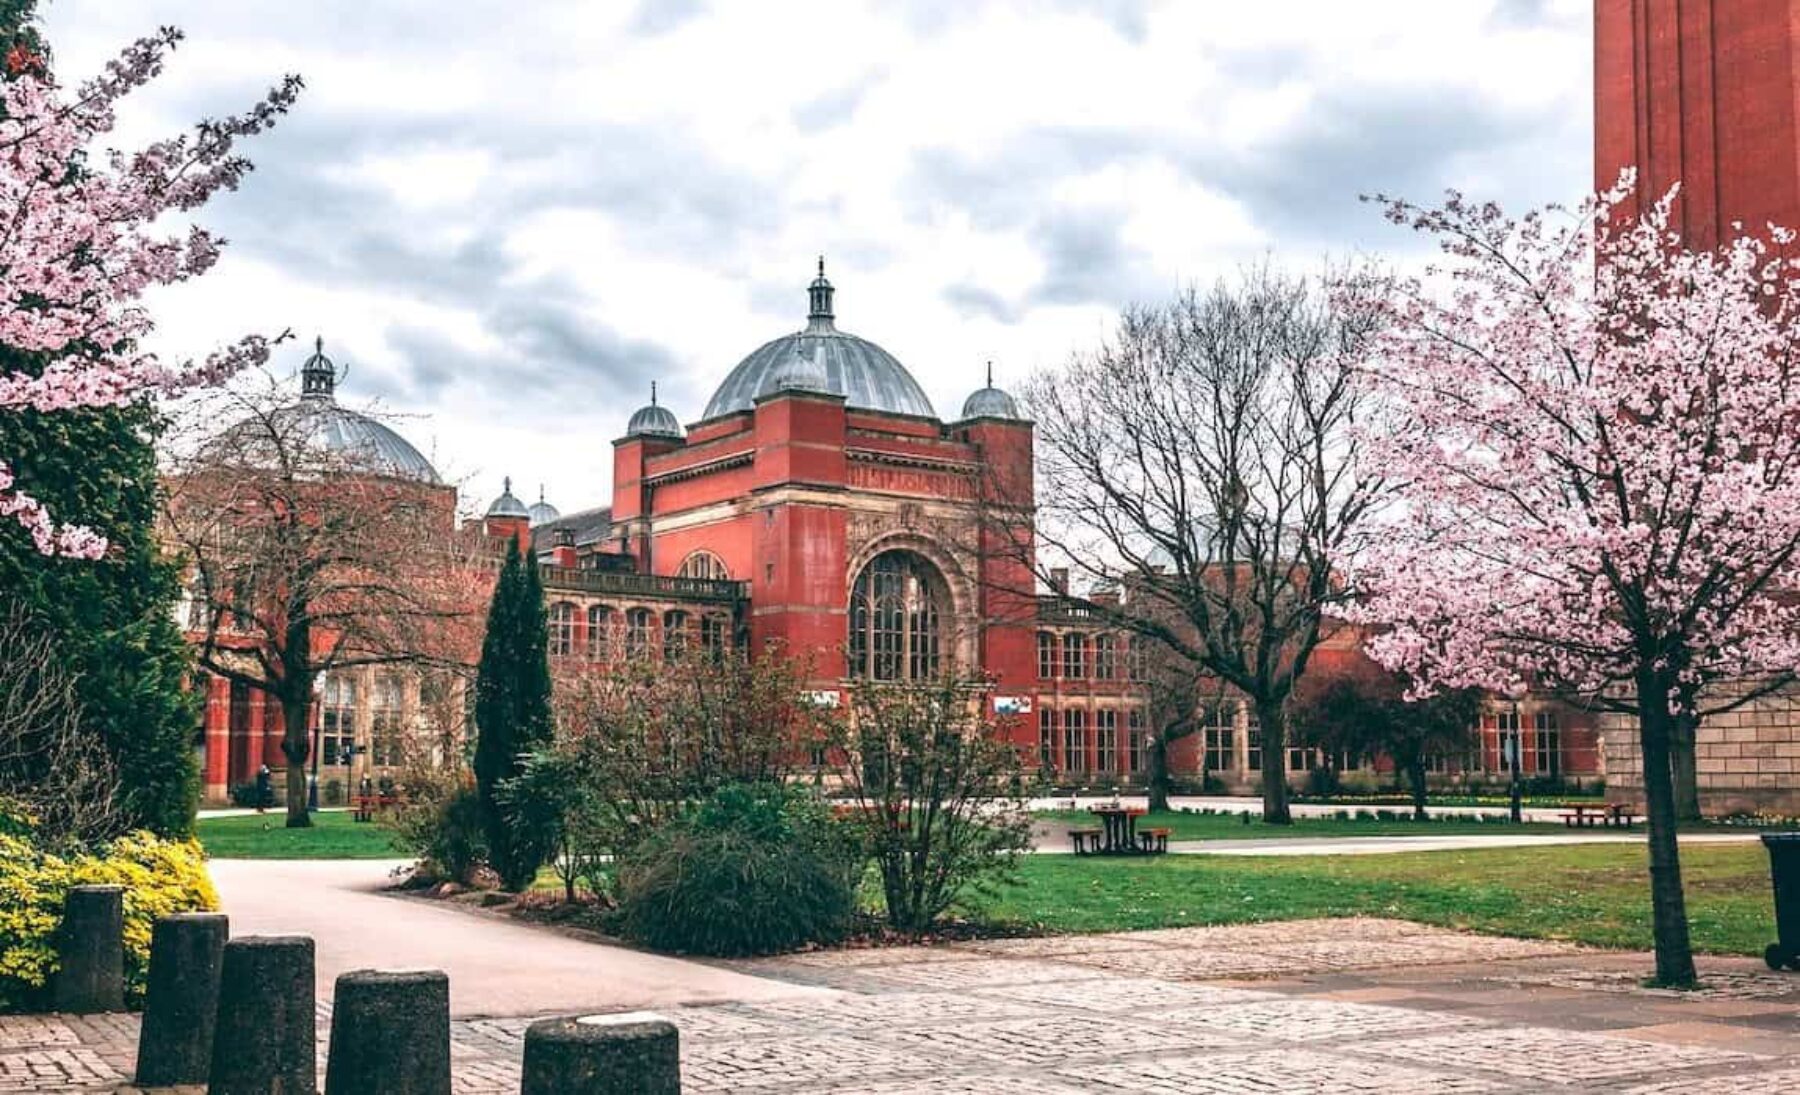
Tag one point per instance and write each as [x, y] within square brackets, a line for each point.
[653, 393]
[506, 485]
[819, 316]
[990, 367]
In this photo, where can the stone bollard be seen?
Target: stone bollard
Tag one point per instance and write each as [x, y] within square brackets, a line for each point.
[182, 1004]
[390, 1034]
[264, 1041]
[631, 1053]
[91, 951]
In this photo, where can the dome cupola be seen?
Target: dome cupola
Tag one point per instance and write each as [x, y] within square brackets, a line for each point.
[990, 402]
[654, 421]
[507, 505]
[867, 376]
[542, 512]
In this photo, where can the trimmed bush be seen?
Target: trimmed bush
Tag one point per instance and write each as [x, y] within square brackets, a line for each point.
[160, 877]
[442, 823]
[753, 870]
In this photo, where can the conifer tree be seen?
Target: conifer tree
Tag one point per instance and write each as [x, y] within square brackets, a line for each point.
[512, 710]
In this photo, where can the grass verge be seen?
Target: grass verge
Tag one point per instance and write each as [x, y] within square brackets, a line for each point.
[1593, 894]
[333, 835]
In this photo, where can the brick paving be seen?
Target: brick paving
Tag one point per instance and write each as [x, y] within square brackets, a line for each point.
[1315, 1006]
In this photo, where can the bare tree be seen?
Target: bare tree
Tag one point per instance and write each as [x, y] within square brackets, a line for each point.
[308, 555]
[62, 775]
[1205, 459]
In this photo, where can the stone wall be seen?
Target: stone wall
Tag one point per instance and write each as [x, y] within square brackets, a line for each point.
[1748, 760]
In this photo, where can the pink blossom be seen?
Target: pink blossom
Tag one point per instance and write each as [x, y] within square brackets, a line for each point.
[77, 251]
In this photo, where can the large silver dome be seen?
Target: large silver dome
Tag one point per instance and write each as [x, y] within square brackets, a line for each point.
[867, 376]
[317, 424]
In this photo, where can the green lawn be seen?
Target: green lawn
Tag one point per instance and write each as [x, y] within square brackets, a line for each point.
[263, 836]
[1232, 827]
[1596, 894]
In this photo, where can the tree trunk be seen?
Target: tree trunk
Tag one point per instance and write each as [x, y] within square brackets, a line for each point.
[1272, 718]
[1674, 952]
[295, 746]
[1415, 774]
[1683, 730]
[1158, 783]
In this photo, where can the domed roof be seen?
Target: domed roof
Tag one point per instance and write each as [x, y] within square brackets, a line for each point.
[867, 376]
[507, 505]
[318, 422]
[654, 421]
[542, 512]
[990, 402]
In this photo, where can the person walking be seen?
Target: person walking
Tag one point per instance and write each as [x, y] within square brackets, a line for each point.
[265, 789]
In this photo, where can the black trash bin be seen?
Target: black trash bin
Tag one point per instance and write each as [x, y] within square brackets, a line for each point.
[1784, 872]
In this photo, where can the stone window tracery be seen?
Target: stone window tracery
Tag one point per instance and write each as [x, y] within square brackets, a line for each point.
[704, 564]
[897, 611]
[562, 629]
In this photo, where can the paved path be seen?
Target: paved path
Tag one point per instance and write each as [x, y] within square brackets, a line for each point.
[1302, 1008]
[496, 966]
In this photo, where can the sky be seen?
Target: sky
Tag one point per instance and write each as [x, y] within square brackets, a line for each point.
[508, 218]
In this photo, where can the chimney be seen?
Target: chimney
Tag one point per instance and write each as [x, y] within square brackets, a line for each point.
[562, 548]
[1059, 580]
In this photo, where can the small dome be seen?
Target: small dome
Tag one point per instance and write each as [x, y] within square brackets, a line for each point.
[506, 505]
[654, 420]
[990, 402]
[542, 512]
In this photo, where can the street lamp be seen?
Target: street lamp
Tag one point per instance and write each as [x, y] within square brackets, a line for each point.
[1517, 755]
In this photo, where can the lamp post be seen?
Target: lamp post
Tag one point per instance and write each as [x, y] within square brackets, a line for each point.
[1518, 814]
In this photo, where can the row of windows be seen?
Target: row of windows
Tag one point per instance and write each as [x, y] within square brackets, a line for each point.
[337, 721]
[1067, 743]
[1075, 656]
[603, 629]
[1542, 744]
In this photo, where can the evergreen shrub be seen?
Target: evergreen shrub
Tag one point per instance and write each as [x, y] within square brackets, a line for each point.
[755, 869]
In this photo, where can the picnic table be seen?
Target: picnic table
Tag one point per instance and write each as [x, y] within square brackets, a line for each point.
[1587, 815]
[367, 805]
[1119, 827]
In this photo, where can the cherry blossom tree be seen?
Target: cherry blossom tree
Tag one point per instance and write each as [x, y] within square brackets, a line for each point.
[1601, 476]
[81, 245]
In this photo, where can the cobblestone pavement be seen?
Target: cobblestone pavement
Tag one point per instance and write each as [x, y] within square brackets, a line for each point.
[1313, 1006]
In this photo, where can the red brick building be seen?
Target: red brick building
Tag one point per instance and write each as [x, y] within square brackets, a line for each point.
[820, 505]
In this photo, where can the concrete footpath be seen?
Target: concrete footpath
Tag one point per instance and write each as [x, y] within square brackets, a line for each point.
[497, 966]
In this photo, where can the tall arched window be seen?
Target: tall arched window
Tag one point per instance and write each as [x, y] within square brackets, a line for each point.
[337, 719]
[562, 629]
[704, 564]
[384, 722]
[599, 633]
[897, 608]
[675, 635]
[637, 633]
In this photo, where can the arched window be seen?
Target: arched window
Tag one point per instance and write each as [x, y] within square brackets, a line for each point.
[675, 635]
[599, 633]
[637, 633]
[337, 720]
[1074, 646]
[896, 618]
[1046, 643]
[562, 629]
[1105, 657]
[715, 636]
[384, 722]
[704, 564]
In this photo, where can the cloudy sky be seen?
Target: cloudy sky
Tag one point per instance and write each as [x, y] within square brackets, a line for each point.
[510, 216]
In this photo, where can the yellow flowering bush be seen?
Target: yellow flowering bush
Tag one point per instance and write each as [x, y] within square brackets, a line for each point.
[160, 877]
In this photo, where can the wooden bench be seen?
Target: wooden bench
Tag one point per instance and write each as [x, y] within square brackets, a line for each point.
[1087, 840]
[1154, 840]
[1609, 814]
[367, 806]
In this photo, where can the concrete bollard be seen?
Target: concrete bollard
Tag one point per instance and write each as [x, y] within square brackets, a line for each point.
[390, 1034]
[264, 1040]
[182, 1004]
[91, 951]
[630, 1053]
